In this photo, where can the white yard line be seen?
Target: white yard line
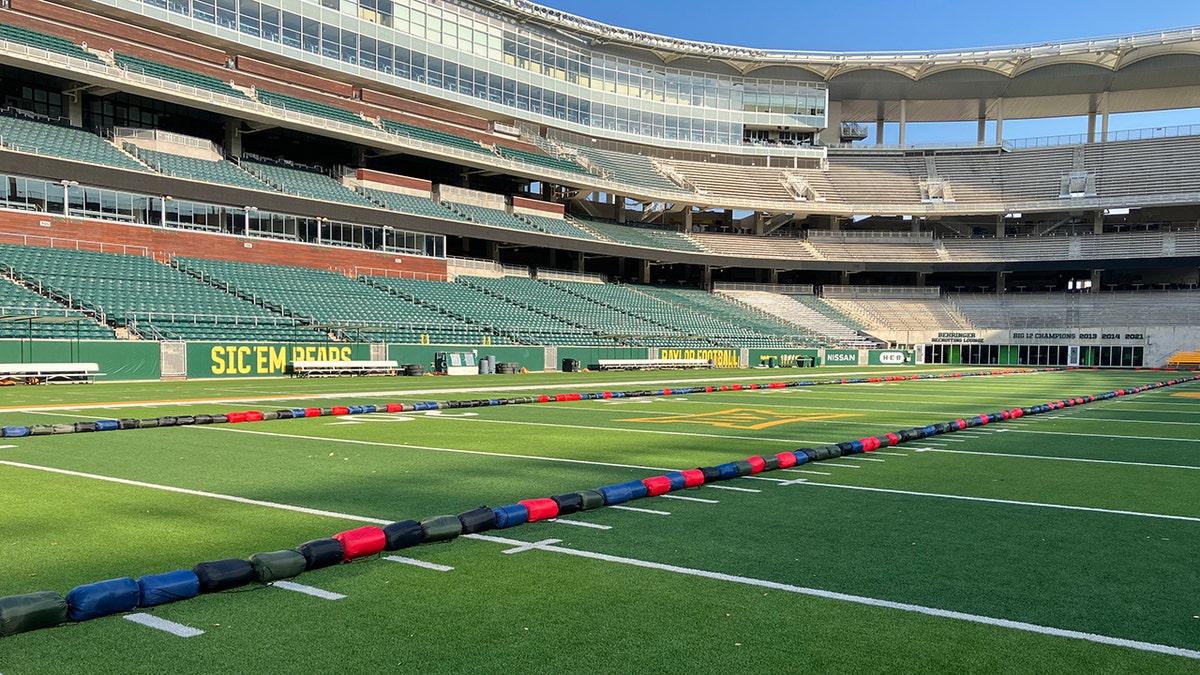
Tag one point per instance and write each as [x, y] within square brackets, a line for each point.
[653, 512]
[846, 597]
[1008, 502]
[159, 623]
[691, 499]
[1067, 459]
[307, 590]
[418, 563]
[580, 523]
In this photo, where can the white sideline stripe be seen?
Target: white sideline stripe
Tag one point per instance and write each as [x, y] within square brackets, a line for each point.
[890, 454]
[955, 440]
[7, 447]
[1012, 502]
[635, 509]
[690, 499]
[810, 471]
[580, 523]
[1131, 438]
[200, 493]
[1069, 459]
[730, 487]
[418, 563]
[413, 393]
[171, 627]
[864, 459]
[844, 466]
[857, 599]
[307, 590]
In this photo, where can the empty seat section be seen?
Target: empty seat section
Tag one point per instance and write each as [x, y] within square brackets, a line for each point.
[434, 136]
[311, 108]
[411, 204]
[624, 167]
[42, 136]
[220, 171]
[539, 159]
[638, 235]
[150, 297]
[164, 72]
[518, 323]
[355, 309]
[304, 182]
[493, 217]
[51, 43]
[558, 226]
[54, 319]
[798, 309]
[755, 329]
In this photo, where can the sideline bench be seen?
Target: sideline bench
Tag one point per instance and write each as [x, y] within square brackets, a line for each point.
[341, 368]
[50, 373]
[653, 364]
[1185, 360]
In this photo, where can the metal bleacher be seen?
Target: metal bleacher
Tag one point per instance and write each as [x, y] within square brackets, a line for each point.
[304, 182]
[26, 132]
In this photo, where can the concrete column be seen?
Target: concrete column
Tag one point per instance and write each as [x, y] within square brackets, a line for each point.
[75, 108]
[687, 219]
[1001, 281]
[981, 133]
[920, 278]
[1098, 222]
[835, 225]
[233, 137]
[620, 208]
[903, 120]
[1103, 117]
[1096, 275]
[999, 121]
[879, 131]
[644, 271]
[916, 226]
[1091, 132]
[845, 279]
[772, 276]
[493, 251]
[706, 278]
[579, 263]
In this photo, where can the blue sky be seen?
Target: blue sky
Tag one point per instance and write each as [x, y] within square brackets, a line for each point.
[874, 25]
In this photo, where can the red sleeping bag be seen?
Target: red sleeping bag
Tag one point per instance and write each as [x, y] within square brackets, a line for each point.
[361, 542]
[540, 509]
[657, 485]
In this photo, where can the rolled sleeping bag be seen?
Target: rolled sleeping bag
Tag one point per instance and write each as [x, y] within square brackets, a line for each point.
[167, 421]
[41, 430]
[102, 598]
[692, 478]
[129, 423]
[770, 463]
[637, 489]
[107, 425]
[568, 503]
[148, 423]
[254, 416]
[185, 420]
[511, 515]
[481, 519]
[678, 480]
[728, 470]
[275, 565]
[808, 452]
[540, 509]
[361, 542]
[21, 613]
[15, 432]
[711, 473]
[615, 494]
[85, 427]
[62, 429]
[402, 534]
[157, 589]
[284, 414]
[657, 485]
[270, 415]
[203, 419]
[590, 499]
[320, 553]
[786, 460]
[744, 467]
[757, 464]
[221, 575]
[440, 528]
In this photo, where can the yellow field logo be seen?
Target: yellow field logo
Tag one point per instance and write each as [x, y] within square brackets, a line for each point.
[740, 418]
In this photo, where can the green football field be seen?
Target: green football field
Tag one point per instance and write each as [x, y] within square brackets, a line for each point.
[1062, 542]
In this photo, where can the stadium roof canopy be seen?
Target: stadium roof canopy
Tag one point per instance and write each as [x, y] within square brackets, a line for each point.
[1127, 73]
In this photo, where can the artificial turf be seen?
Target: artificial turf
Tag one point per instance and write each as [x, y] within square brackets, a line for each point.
[1123, 575]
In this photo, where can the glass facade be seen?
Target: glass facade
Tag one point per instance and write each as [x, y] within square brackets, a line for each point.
[468, 54]
[35, 194]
